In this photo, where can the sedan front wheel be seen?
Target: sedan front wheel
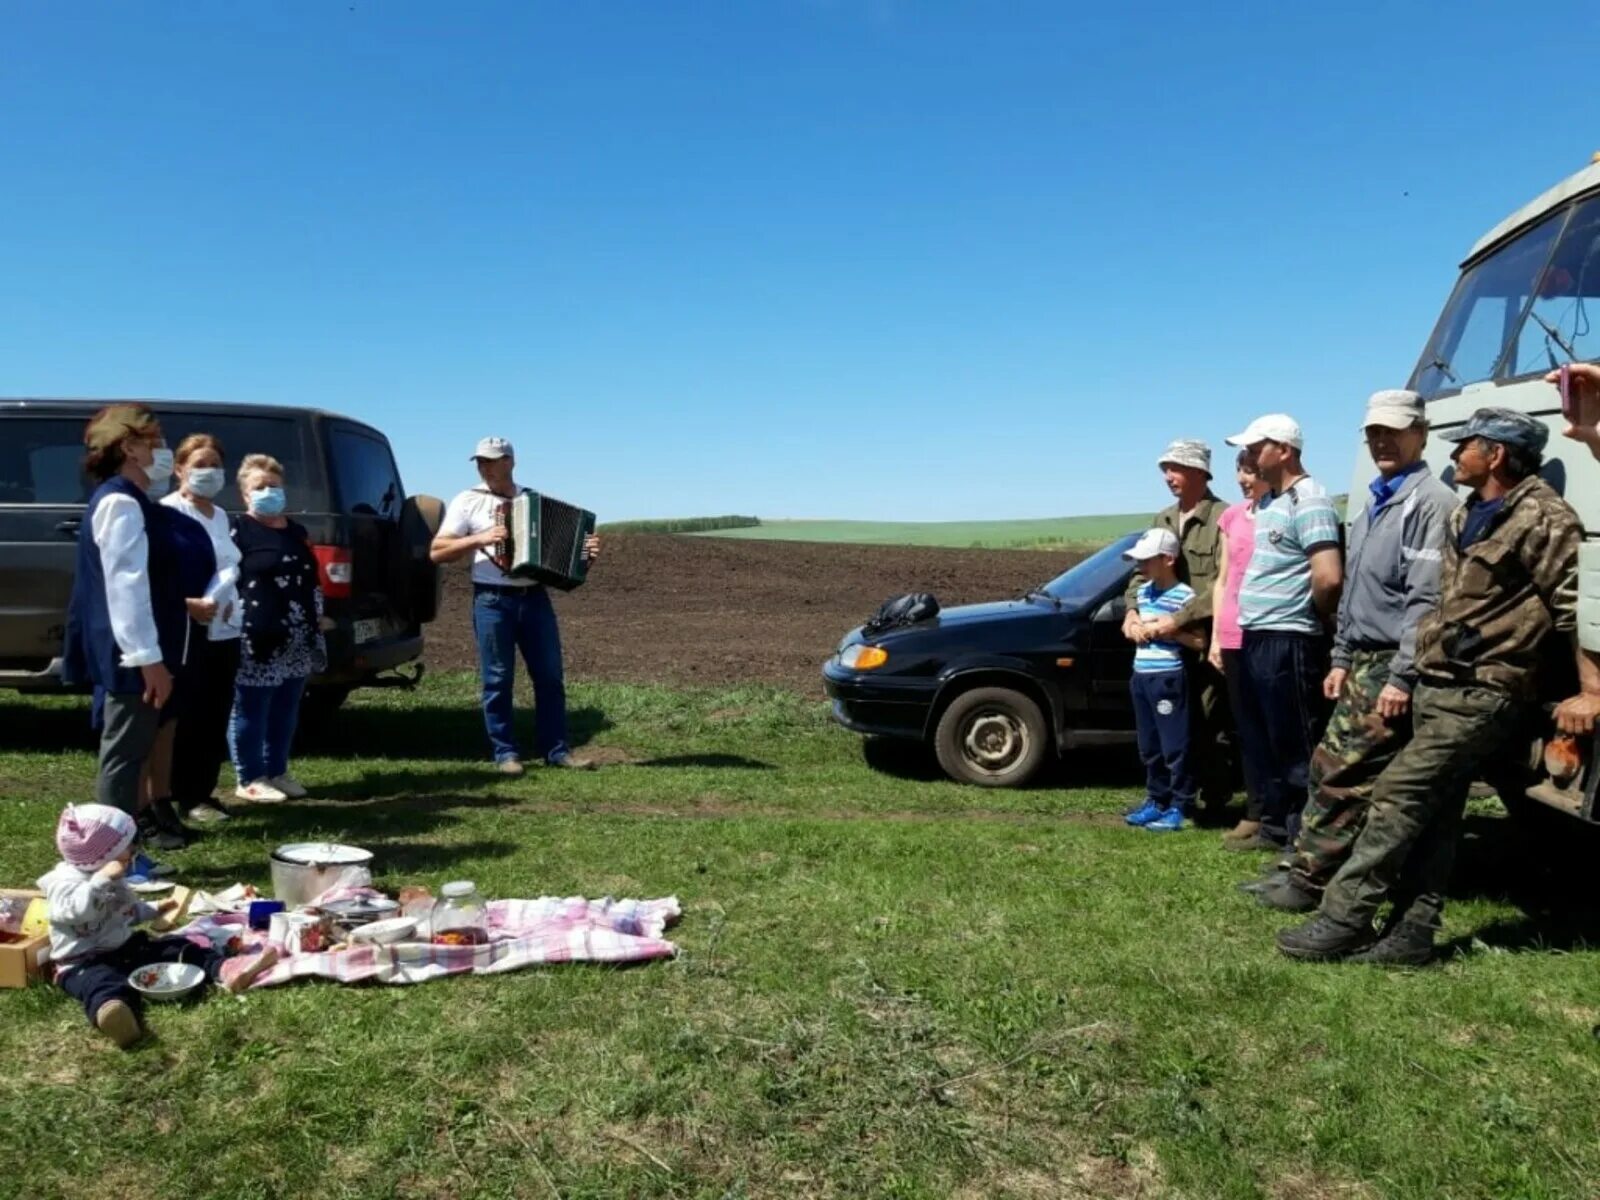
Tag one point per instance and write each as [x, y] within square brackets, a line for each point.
[993, 737]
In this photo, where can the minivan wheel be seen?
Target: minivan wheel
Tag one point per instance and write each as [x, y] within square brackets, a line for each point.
[991, 736]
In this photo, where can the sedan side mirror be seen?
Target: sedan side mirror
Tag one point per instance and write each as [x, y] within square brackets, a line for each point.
[1113, 610]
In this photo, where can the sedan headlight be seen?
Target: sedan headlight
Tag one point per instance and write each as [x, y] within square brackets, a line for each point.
[862, 657]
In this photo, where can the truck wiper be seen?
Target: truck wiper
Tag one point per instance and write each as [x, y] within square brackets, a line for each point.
[1554, 335]
[1042, 594]
[1439, 364]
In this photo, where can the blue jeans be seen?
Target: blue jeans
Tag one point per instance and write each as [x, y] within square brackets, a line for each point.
[507, 620]
[262, 729]
[1161, 715]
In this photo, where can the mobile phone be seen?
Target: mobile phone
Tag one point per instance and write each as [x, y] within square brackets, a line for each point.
[1569, 406]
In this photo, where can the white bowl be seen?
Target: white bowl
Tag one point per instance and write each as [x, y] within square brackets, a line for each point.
[166, 982]
[382, 933]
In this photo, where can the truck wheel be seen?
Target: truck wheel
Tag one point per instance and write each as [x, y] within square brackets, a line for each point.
[991, 736]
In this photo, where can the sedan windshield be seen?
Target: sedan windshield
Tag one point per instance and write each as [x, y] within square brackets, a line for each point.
[1520, 310]
[1102, 573]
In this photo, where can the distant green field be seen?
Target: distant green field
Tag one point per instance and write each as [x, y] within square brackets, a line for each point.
[1041, 533]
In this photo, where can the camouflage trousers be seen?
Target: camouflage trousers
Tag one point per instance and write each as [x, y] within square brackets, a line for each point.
[1407, 845]
[1355, 748]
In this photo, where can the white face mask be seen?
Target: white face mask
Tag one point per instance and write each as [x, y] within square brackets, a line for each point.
[205, 481]
[159, 472]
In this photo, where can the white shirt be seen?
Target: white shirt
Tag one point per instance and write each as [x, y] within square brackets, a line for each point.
[224, 585]
[89, 916]
[119, 534]
[475, 511]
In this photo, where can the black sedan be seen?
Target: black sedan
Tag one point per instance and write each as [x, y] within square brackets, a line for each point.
[996, 687]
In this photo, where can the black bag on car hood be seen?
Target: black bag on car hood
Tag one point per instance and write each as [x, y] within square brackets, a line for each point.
[902, 610]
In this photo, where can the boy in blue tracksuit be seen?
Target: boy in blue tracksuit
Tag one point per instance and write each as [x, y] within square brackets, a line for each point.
[1160, 691]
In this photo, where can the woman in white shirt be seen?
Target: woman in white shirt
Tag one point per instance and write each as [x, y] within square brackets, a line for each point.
[201, 744]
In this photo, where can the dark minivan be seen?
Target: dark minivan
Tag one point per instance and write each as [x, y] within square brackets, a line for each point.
[370, 540]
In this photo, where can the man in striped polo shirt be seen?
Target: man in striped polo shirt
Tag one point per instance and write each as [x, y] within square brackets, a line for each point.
[1159, 687]
[1287, 602]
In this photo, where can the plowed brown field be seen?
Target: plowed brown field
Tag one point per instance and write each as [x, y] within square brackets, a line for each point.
[688, 610]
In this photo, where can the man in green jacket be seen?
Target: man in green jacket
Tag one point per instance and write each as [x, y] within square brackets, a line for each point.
[1508, 580]
[1186, 468]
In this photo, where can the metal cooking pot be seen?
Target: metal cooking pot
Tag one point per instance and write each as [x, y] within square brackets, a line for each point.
[302, 871]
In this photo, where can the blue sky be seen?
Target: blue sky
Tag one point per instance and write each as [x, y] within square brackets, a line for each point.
[879, 260]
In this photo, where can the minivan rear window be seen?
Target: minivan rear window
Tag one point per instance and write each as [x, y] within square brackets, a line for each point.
[364, 474]
[41, 457]
[281, 437]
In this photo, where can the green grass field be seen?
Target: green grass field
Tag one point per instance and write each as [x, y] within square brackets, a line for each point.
[889, 986]
[1043, 533]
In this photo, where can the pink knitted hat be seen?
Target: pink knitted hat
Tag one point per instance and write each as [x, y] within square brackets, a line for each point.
[91, 835]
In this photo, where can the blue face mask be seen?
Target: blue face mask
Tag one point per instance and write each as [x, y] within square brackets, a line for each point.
[205, 481]
[268, 501]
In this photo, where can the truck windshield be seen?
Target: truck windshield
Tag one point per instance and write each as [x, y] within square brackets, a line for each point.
[1520, 310]
[1103, 572]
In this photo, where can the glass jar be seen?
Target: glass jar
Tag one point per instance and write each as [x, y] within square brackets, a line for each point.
[459, 918]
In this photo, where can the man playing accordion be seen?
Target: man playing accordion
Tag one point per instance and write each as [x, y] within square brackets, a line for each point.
[509, 614]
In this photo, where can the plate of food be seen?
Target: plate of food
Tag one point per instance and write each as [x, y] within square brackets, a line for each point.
[384, 933]
[152, 887]
[167, 982]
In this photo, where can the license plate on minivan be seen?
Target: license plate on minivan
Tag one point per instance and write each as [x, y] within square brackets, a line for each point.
[368, 631]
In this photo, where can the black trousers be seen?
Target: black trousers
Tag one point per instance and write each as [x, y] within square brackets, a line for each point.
[201, 743]
[1233, 672]
[1281, 721]
[105, 976]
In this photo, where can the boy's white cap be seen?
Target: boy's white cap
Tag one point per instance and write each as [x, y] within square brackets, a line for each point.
[1151, 544]
[493, 447]
[1274, 427]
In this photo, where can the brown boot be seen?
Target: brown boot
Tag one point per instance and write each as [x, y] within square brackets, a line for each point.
[117, 1020]
[1244, 831]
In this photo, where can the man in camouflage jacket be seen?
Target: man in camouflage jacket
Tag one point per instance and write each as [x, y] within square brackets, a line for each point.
[1391, 582]
[1193, 515]
[1509, 579]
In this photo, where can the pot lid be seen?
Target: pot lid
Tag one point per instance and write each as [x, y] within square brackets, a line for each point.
[331, 854]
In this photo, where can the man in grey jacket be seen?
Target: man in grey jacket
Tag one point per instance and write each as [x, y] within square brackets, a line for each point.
[1391, 582]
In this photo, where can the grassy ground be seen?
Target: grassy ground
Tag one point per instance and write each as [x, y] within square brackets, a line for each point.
[1044, 533]
[889, 986]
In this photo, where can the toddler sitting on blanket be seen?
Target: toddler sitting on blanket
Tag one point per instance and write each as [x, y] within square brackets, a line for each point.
[93, 943]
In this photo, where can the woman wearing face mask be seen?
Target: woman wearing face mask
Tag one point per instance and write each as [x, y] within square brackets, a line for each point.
[126, 621]
[281, 609]
[201, 742]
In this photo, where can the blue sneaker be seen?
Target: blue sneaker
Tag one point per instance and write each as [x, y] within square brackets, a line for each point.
[1145, 813]
[1168, 821]
[144, 869]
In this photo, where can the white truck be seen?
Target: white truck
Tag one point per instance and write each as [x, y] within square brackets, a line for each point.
[1519, 310]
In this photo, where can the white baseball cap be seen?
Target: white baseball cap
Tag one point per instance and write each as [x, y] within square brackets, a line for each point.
[1151, 544]
[493, 447]
[1274, 427]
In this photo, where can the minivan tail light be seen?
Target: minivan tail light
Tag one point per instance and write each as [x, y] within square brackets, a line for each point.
[335, 571]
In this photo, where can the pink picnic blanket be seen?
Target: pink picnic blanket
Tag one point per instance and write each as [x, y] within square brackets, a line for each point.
[522, 933]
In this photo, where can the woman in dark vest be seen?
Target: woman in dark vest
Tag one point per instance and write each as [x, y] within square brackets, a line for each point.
[126, 621]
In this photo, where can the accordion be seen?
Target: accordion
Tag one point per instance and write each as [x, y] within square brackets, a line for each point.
[544, 540]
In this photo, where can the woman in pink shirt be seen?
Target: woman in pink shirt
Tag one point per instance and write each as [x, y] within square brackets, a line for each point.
[1238, 525]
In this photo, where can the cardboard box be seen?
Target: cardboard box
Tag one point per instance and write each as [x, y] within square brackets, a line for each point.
[22, 958]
